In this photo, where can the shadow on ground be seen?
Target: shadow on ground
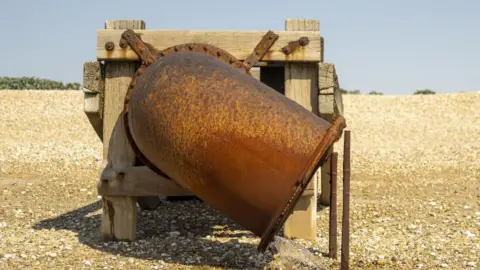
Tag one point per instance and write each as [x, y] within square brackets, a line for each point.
[176, 232]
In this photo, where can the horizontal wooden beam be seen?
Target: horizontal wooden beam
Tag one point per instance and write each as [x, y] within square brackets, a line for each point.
[137, 181]
[238, 43]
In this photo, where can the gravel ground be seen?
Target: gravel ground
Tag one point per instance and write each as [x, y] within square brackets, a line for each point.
[415, 194]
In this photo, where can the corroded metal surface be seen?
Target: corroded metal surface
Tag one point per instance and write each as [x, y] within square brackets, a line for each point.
[145, 51]
[293, 45]
[345, 257]
[261, 49]
[332, 228]
[236, 143]
[207, 49]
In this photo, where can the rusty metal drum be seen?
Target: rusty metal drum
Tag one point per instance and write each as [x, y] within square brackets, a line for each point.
[236, 143]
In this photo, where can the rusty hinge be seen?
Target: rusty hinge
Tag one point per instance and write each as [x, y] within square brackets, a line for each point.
[146, 52]
[261, 49]
[293, 45]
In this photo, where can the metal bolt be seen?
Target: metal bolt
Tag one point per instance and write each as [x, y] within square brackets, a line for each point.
[109, 46]
[123, 43]
[303, 41]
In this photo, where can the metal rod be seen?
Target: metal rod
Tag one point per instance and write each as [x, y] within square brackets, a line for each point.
[332, 240]
[346, 203]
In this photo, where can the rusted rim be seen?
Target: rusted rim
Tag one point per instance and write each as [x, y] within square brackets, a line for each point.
[316, 160]
[191, 47]
[208, 50]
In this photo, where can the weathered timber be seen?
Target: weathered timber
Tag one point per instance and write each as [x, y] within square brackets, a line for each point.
[301, 86]
[138, 181]
[330, 108]
[119, 212]
[93, 88]
[238, 43]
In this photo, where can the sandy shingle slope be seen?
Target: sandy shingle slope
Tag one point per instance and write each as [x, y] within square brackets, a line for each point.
[415, 192]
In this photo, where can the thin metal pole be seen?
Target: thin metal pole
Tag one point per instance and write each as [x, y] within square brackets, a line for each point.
[332, 240]
[346, 203]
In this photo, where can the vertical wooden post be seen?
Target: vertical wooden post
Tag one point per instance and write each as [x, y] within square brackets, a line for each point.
[330, 106]
[301, 86]
[119, 212]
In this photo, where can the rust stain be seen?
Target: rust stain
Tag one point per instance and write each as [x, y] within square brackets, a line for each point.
[248, 151]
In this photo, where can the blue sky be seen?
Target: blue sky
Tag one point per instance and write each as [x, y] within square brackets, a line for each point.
[390, 46]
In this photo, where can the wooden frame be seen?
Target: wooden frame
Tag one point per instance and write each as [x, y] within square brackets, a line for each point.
[301, 76]
[238, 43]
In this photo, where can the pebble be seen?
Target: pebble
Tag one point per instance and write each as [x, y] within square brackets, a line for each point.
[8, 256]
[174, 234]
[51, 254]
[471, 264]
[444, 265]
[87, 262]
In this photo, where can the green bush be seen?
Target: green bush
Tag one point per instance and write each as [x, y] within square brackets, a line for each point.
[424, 92]
[375, 93]
[24, 83]
[353, 92]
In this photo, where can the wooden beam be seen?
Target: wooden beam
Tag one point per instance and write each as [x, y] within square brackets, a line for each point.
[301, 86]
[119, 212]
[238, 43]
[330, 106]
[93, 89]
[138, 181]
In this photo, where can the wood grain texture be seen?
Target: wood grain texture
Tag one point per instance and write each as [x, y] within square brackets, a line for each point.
[119, 212]
[301, 86]
[93, 89]
[138, 181]
[330, 107]
[93, 77]
[238, 43]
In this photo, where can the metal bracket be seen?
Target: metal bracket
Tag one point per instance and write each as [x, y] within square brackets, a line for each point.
[261, 49]
[293, 45]
[145, 51]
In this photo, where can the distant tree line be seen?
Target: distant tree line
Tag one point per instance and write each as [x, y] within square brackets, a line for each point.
[424, 92]
[374, 92]
[25, 83]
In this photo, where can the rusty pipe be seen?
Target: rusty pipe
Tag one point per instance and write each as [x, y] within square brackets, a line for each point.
[236, 143]
[332, 240]
[346, 203]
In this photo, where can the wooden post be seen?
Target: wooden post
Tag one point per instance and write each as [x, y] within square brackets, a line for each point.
[330, 106]
[301, 86]
[93, 90]
[119, 212]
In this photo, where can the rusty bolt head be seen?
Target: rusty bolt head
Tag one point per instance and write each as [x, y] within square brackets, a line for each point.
[303, 41]
[123, 43]
[109, 46]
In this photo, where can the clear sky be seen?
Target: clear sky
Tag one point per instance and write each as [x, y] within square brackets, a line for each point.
[390, 46]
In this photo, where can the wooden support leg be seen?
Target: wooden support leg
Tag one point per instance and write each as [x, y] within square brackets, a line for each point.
[301, 86]
[324, 180]
[302, 223]
[330, 106]
[119, 212]
[119, 218]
